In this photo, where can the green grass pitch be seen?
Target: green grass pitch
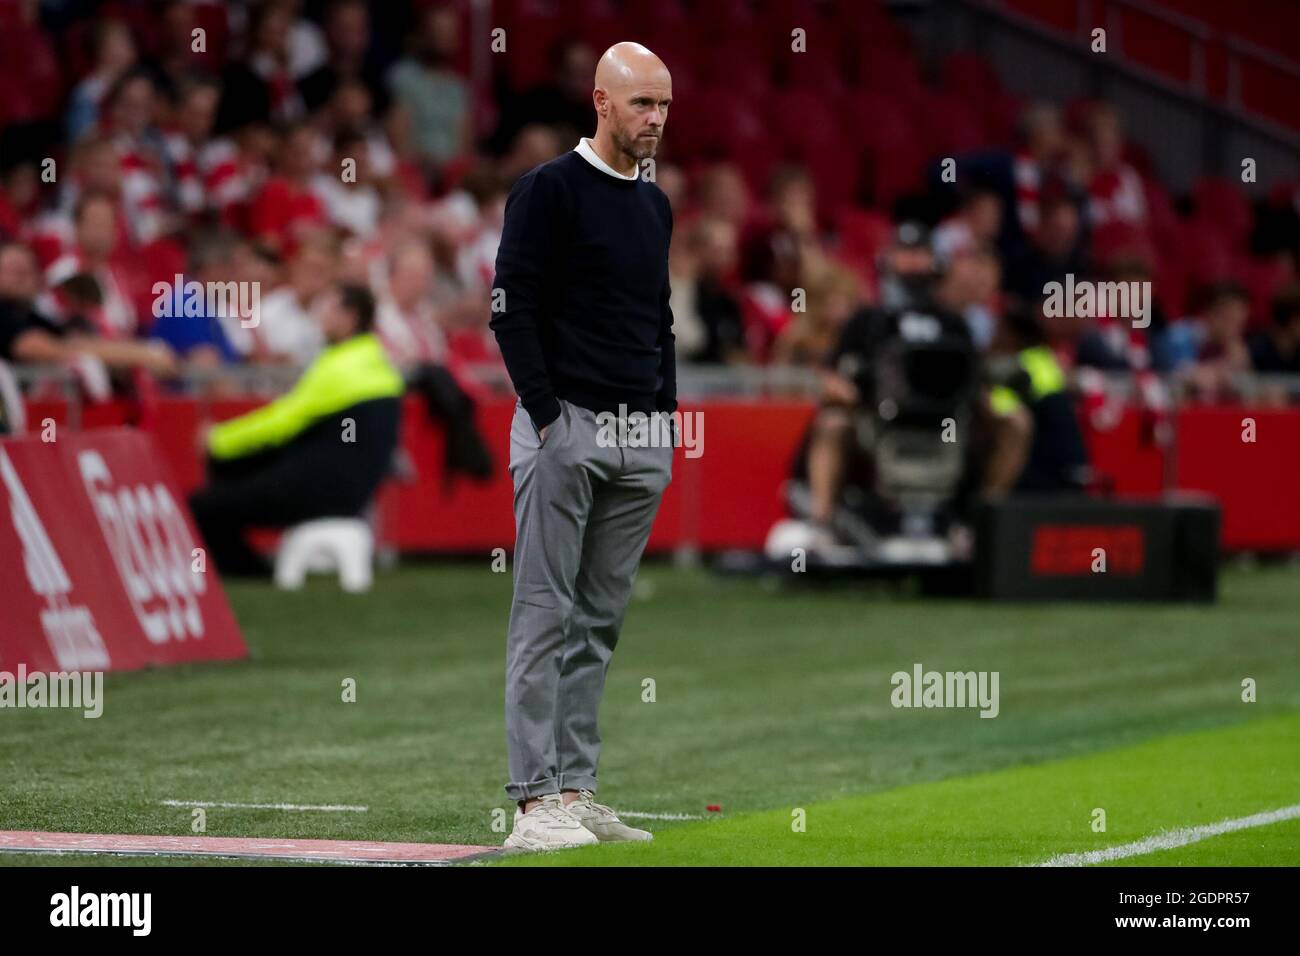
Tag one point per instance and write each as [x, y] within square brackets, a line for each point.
[766, 701]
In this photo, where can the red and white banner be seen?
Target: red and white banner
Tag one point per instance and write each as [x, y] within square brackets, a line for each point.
[100, 565]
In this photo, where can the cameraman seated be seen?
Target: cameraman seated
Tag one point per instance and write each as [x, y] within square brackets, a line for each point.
[834, 456]
[318, 451]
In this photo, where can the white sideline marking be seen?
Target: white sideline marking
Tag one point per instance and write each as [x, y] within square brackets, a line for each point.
[1174, 838]
[323, 808]
[634, 815]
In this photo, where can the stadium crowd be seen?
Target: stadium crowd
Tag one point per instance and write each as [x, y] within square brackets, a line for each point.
[132, 153]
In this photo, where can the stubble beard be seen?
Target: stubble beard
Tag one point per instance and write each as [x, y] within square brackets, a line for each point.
[636, 147]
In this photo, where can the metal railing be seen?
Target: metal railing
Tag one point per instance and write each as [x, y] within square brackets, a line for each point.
[694, 382]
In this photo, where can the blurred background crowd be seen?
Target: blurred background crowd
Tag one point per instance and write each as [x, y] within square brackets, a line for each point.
[805, 185]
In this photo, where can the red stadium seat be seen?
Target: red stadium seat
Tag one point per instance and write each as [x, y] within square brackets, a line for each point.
[1204, 252]
[728, 117]
[729, 21]
[527, 63]
[1170, 277]
[599, 23]
[949, 123]
[891, 172]
[818, 73]
[892, 165]
[1220, 202]
[836, 167]
[883, 68]
[969, 73]
[1118, 240]
[875, 118]
[1161, 218]
[1002, 112]
[868, 22]
[757, 158]
[1263, 279]
[734, 68]
[804, 115]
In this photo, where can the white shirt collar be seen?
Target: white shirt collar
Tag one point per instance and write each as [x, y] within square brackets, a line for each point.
[585, 150]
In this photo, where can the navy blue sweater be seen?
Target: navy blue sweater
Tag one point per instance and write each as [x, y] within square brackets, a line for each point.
[580, 299]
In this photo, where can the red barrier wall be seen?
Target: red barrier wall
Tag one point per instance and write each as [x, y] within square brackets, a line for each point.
[1254, 480]
[729, 497]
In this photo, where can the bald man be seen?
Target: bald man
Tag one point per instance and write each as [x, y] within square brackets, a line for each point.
[581, 313]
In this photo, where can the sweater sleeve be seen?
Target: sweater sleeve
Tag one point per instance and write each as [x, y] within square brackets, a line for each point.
[529, 236]
[666, 400]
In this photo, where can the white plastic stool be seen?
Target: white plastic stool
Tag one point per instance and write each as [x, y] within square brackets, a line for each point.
[345, 545]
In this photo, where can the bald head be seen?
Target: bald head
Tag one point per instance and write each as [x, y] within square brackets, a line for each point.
[632, 94]
[629, 64]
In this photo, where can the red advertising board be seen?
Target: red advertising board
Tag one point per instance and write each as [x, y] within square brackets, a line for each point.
[100, 565]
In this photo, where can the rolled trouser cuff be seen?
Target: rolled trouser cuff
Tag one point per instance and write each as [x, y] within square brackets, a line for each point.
[577, 781]
[532, 790]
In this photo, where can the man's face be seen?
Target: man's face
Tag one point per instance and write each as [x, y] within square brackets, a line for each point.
[273, 36]
[349, 29]
[986, 217]
[637, 117]
[1228, 317]
[1060, 230]
[133, 110]
[718, 247]
[412, 275]
[313, 270]
[1047, 137]
[336, 320]
[1107, 138]
[352, 104]
[575, 70]
[100, 170]
[960, 282]
[97, 229]
[301, 157]
[19, 277]
[442, 31]
[726, 195]
[199, 113]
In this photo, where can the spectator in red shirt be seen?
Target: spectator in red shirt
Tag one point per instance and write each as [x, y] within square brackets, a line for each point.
[287, 208]
[97, 240]
[1115, 190]
[149, 185]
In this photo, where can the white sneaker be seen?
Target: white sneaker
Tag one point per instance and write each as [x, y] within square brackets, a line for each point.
[548, 826]
[602, 821]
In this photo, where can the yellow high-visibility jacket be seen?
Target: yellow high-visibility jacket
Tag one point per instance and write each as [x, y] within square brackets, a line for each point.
[353, 371]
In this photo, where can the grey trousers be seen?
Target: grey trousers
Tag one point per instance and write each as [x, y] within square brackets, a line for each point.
[582, 516]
